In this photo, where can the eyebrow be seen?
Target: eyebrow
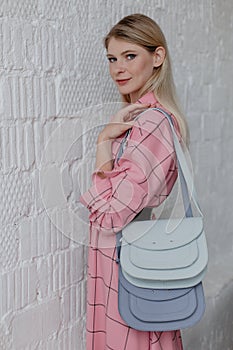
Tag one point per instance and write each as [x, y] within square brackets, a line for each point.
[122, 53]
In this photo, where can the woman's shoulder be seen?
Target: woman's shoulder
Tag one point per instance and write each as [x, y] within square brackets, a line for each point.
[151, 114]
[151, 119]
[154, 119]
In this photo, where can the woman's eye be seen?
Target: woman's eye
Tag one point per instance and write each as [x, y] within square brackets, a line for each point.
[111, 59]
[131, 56]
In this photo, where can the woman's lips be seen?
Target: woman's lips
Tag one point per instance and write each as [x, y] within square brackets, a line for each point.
[122, 81]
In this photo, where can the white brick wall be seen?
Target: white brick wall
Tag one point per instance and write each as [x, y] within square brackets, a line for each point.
[53, 80]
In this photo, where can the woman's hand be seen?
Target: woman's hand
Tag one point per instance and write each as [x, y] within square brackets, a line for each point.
[122, 121]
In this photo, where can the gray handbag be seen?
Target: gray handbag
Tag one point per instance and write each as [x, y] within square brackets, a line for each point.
[160, 272]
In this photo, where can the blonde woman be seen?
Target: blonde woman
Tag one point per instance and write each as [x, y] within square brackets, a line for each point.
[139, 64]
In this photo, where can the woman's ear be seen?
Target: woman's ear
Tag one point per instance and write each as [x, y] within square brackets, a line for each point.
[159, 56]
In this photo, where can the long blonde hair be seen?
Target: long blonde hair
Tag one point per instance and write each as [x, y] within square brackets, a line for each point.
[145, 32]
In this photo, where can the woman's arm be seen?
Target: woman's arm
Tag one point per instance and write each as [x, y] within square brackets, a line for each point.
[104, 161]
[143, 176]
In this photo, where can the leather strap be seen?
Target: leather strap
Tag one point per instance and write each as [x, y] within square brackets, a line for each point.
[186, 179]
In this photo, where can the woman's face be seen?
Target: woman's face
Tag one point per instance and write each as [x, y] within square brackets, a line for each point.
[130, 66]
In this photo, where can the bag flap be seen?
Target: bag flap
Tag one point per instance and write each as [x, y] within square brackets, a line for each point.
[146, 315]
[163, 234]
[162, 260]
[166, 265]
[152, 294]
[169, 310]
[165, 283]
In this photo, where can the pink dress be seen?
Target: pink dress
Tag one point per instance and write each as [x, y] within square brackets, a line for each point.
[143, 177]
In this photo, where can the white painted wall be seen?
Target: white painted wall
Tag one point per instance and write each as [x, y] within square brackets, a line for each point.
[54, 87]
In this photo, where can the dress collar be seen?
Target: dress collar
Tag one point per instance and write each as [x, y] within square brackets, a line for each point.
[149, 97]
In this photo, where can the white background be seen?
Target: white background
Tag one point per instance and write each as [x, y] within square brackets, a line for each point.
[53, 70]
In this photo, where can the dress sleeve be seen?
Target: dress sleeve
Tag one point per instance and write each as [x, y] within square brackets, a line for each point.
[143, 177]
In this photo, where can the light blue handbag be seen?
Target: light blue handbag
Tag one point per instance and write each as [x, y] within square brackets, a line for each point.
[162, 264]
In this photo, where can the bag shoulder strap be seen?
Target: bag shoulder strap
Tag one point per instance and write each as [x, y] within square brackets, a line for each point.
[186, 178]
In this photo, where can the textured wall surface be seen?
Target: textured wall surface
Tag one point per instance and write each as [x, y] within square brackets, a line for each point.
[55, 93]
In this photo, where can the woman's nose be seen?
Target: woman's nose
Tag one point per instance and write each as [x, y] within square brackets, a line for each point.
[120, 66]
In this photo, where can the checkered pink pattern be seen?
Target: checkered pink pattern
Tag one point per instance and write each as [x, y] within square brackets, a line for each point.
[143, 177]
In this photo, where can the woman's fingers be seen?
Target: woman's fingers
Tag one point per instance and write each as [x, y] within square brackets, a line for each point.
[123, 120]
